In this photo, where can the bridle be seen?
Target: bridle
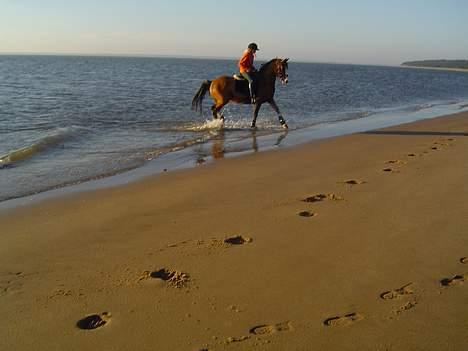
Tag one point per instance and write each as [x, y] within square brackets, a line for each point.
[281, 66]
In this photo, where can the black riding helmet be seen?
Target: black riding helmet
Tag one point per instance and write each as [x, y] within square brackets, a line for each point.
[253, 46]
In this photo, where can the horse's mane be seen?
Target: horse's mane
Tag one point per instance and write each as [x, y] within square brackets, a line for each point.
[266, 64]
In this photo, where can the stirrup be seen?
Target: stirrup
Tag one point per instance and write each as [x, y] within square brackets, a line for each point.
[253, 100]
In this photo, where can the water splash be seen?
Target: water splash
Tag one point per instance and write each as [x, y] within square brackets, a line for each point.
[230, 124]
[210, 124]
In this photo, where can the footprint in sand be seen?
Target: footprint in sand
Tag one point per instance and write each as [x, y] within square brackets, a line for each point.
[455, 280]
[237, 240]
[390, 170]
[207, 246]
[464, 260]
[233, 339]
[216, 243]
[397, 162]
[11, 282]
[94, 321]
[268, 329]
[307, 214]
[387, 170]
[322, 197]
[407, 306]
[398, 293]
[342, 321]
[174, 278]
[443, 143]
[354, 182]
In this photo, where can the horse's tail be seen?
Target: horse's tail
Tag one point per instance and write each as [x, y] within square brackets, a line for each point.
[200, 95]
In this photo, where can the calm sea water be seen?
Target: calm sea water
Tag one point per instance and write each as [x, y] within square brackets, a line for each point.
[65, 120]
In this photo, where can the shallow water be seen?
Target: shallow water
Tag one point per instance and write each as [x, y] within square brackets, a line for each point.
[65, 120]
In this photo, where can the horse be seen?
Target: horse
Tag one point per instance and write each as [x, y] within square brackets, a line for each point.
[224, 89]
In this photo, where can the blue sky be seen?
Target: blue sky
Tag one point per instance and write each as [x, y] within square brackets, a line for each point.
[352, 31]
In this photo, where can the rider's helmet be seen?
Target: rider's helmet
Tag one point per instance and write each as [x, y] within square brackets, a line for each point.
[253, 46]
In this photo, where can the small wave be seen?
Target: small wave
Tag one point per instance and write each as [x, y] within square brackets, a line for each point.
[423, 107]
[150, 155]
[360, 114]
[430, 105]
[39, 146]
[349, 116]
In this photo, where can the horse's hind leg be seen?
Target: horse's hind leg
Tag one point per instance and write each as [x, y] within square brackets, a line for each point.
[215, 110]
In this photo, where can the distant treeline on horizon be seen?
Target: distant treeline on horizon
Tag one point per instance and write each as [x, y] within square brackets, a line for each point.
[463, 64]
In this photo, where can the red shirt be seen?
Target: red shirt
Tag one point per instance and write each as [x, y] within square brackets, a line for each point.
[246, 61]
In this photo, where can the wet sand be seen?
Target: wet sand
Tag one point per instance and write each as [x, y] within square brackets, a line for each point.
[358, 242]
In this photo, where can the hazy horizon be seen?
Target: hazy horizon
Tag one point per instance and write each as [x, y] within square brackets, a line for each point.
[355, 32]
[117, 55]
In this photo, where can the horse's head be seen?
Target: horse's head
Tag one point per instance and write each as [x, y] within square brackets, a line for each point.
[280, 68]
[277, 68]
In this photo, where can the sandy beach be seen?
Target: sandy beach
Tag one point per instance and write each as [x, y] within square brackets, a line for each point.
[358, 242]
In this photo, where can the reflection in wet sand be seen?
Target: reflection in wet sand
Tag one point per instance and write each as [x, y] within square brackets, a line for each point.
[217, 150]
[220, 145]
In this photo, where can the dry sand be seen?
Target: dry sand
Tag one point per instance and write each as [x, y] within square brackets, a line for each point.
[352, 243]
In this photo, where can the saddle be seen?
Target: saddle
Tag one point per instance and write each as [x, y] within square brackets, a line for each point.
[238, 76]
[242, 86]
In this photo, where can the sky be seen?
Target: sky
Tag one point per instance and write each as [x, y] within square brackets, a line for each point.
[347, 31]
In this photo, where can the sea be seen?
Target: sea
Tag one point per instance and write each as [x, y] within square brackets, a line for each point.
[71, 123]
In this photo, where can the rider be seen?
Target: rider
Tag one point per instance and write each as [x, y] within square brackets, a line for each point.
[247, 69]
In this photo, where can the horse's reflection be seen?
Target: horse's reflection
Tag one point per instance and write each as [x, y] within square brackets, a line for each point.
[281, 137]
[218, 147]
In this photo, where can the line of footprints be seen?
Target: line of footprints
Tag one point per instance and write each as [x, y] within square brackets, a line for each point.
[177, 279]
[393, 166]
[406, 290]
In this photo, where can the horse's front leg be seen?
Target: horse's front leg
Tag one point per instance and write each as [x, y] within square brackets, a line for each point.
[280, 116]
[255, 114]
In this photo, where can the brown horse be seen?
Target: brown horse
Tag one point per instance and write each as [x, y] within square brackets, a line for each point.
[225, 88]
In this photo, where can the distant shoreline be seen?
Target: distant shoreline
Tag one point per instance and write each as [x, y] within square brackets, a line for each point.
[441, 64]
[437, 68]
